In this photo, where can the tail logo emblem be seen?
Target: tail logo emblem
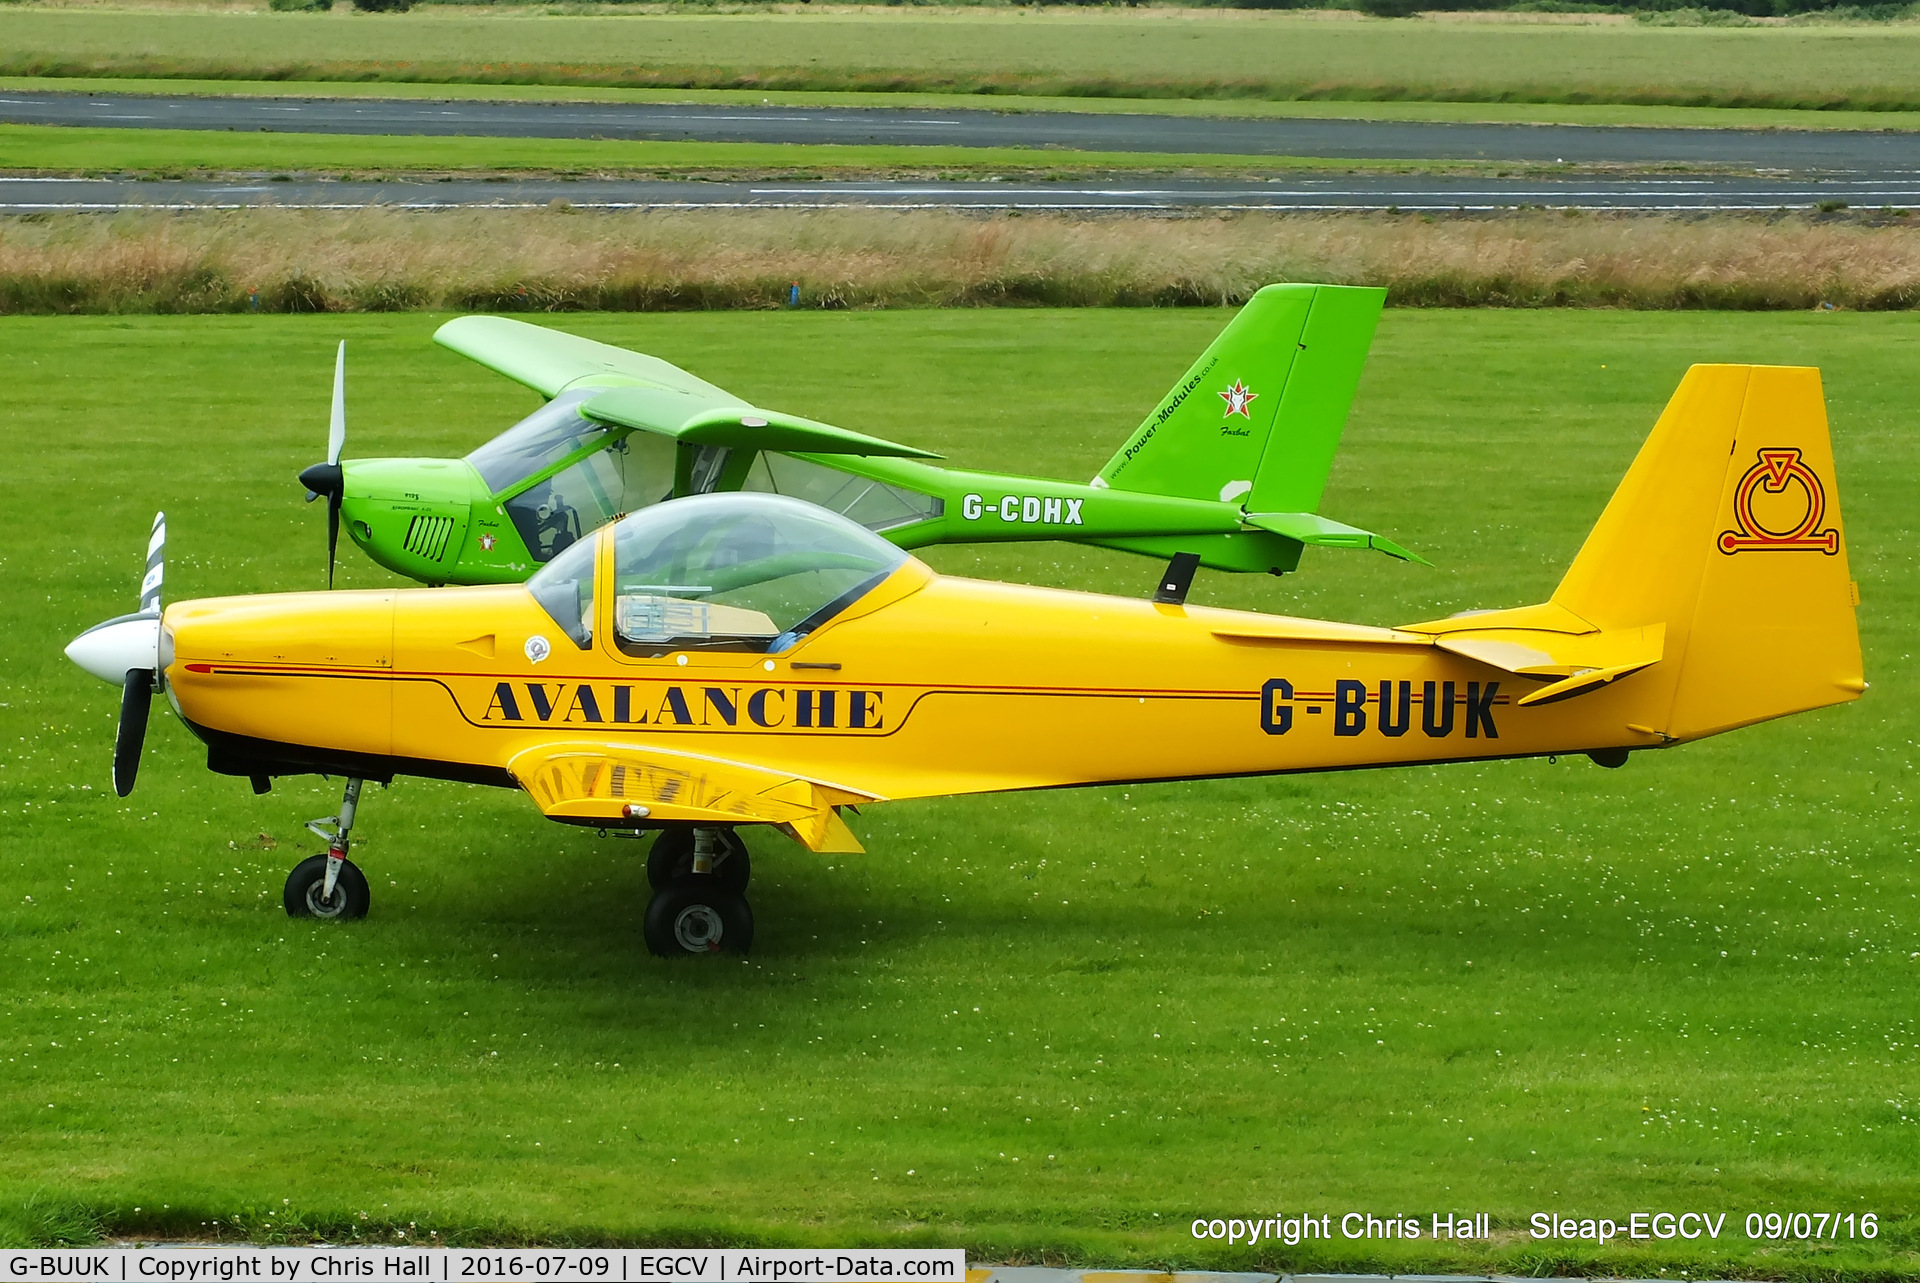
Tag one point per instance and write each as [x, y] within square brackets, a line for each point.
[1238, 398]
[1774, 471]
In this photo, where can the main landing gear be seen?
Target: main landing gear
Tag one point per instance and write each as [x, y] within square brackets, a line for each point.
[699, 877]
[330, 885]
[699, 905]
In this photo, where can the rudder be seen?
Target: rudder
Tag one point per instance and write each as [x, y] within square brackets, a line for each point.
[1727, 530]
[1258, 417]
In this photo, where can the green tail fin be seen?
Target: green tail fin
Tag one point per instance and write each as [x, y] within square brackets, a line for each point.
[1257, 418]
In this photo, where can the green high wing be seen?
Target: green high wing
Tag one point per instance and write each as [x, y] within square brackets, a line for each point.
[645, 392]
[551, 361]
[1228, 468]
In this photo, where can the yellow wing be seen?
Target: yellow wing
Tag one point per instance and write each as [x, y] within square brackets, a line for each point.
[591, 781]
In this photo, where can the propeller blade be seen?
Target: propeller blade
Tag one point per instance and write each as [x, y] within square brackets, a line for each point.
[136, 701]
[156, 566]
[337, 425]
[333, 532]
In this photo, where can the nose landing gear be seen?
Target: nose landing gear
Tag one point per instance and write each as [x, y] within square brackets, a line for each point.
[330, 885]
[699, 904]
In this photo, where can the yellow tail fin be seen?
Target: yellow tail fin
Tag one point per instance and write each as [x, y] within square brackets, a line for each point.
[1727, 530]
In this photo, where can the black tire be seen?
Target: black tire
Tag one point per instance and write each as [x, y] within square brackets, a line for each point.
[672, 859]
[350, 894]
[696, 916]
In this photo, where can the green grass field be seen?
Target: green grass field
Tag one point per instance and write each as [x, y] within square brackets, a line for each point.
[1052, 1024]
[1163, 54]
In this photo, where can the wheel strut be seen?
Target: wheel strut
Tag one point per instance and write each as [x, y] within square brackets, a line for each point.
[336, 831]
[704, 841]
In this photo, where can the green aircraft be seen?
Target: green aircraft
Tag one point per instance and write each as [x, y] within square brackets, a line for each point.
[1225, 472]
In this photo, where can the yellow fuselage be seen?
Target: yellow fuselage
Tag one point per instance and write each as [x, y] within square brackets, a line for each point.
[1714, 592]
[928, 685]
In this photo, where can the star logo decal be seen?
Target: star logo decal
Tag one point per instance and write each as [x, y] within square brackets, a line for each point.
[1238, 398]
[486, 542]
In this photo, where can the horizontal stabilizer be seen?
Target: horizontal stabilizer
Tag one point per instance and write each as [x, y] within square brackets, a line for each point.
[550, 361]
[1236, 626]
[723, 420]
[591, 782]
[1323, 532]
[1578, 684]
[1570, 663]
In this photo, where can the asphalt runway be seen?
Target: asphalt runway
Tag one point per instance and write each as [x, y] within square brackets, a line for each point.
[1805, 152]
[1401, 191]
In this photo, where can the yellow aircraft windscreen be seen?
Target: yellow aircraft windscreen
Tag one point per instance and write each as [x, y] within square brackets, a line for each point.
[736, 571]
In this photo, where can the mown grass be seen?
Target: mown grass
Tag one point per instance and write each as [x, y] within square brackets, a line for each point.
[1145, 54]
[1317, 109]
[1513, 987]
[560, 260]
[72, 149]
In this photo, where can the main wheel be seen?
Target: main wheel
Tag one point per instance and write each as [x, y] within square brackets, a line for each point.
[672, 858]
[309, 878]
[697, 915]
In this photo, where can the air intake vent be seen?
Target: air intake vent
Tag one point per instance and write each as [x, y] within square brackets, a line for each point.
[427, 537]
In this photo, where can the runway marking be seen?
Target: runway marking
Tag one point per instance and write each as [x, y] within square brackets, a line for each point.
[783, 119]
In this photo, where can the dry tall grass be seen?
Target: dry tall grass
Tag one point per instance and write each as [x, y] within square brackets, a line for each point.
[387, 260]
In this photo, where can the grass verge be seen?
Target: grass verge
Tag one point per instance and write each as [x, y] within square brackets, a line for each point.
[996, 52]
[1519, 113]
[555, 260]
[165, 153]
[1509, 987]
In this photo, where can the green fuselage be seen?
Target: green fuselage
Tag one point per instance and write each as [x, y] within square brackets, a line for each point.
[439, 522]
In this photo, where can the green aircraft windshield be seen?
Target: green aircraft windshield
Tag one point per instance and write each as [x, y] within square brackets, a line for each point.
[548, 435]
[874, 504]
[623, 472]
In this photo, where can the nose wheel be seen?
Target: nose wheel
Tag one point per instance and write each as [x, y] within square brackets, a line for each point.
[307, 895]
[699, 905]
[330, 885]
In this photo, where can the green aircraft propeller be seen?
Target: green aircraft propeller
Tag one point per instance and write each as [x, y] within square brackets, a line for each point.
[328, 478]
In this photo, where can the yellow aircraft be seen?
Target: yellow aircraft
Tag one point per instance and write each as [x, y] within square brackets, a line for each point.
[737, 659]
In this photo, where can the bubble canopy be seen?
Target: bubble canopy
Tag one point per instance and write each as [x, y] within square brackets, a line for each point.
[738, 571]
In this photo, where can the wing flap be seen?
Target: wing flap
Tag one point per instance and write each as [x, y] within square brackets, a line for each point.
[593, 781]
[722, 420]
[824, 832]
[549, 361]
